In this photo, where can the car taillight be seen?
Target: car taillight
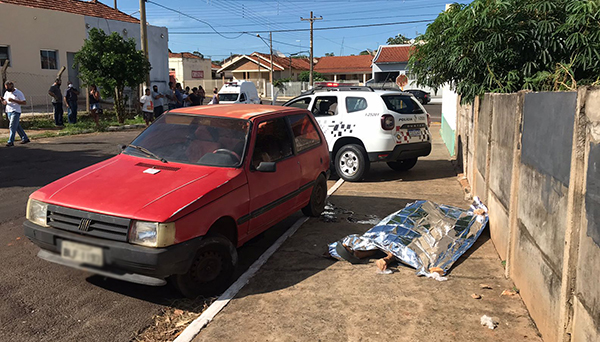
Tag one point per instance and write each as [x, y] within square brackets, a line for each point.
[387, 122]
[428, 120]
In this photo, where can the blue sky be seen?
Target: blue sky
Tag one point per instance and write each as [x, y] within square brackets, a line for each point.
[237, 16]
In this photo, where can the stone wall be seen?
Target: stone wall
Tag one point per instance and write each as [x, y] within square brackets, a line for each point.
[534, 159]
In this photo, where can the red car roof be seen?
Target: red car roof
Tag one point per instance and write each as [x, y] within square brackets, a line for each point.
[234, 111]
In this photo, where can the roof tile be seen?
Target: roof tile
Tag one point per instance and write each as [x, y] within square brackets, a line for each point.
[344, 64]
[393, 54]
[91, 8]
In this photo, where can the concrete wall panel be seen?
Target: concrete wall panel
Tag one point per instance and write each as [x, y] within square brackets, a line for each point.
[502, 145]
[584, 327]
[483, 132]
[499, 225]
[548, 120]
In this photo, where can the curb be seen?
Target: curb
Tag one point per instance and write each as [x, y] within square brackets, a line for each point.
[192, 330]
[124, 127]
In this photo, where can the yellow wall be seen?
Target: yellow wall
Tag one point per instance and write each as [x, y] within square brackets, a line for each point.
[28, 30]
[184, 67]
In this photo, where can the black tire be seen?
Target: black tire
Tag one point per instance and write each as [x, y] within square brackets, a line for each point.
[316, 205]
[352, 162]
[403, 165]
[211, 269]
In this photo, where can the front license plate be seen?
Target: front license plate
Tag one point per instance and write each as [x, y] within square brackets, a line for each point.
[414, 132]
[81, 253]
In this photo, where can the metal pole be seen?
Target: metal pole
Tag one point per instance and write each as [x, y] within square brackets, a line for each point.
[271, 77]
[115, 4]
[144, 35]
[311, 20]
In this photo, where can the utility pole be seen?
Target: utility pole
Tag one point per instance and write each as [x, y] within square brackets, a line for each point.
[271, 77]
[311, 20]
[144, 35]
[116, 4]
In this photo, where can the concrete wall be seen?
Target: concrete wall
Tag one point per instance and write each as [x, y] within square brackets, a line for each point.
[184, 67]
[534, 159]
[449, 116]
[26, 31]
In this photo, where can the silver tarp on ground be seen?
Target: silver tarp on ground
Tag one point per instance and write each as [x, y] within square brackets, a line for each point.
[422, 235]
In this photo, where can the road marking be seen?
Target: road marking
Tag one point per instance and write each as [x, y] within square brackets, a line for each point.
[199, 323]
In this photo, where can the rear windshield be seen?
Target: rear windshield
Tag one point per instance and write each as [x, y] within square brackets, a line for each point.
[402, 104]
[228, 97]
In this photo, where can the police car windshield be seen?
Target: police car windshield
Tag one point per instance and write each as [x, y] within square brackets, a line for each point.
[402, 104]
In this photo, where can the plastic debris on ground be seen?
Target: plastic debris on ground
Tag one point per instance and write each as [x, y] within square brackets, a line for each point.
[489, 322]
[424, 235]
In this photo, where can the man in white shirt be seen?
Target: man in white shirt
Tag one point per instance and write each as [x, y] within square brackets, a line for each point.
[13, 100]
[157, 97]
[147, 107]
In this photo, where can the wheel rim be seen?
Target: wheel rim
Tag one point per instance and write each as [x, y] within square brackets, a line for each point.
[207, 267]
[349, 163]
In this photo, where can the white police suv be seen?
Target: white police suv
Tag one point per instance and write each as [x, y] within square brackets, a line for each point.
[363, 125]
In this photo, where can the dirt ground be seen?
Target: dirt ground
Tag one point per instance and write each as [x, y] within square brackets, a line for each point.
[300, 295]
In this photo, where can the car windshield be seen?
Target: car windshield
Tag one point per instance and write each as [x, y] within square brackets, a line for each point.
[402, 104]
[232, 97]
[193, 139]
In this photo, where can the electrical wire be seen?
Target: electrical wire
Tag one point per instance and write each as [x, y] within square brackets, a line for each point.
[194, 18]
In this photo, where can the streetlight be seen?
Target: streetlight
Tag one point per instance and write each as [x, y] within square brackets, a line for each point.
[271, 73]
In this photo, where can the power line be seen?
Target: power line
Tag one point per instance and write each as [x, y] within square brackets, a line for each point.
[317, 29]
[194, 18]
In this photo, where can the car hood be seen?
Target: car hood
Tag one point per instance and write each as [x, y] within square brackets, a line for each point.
[120, 187]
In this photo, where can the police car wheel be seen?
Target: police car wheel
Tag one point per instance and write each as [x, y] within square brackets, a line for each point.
[351, 162]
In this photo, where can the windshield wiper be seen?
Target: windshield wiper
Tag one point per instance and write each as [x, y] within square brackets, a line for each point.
[148, 152]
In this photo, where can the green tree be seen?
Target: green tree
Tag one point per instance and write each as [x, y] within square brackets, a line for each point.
[365, 52]
[398, 39]
[509, 45]
[112, 63]
[329, 54]
[305, 76]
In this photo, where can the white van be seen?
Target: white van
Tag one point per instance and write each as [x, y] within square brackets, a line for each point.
[239, 92]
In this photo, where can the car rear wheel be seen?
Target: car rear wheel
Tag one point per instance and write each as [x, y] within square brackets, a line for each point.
[211, 269]
[403, 165]
[351, 162]
[316, 205]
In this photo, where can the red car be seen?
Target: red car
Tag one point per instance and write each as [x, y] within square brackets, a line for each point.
[196, 184]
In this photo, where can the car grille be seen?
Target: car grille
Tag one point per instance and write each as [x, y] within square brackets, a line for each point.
[86, 223]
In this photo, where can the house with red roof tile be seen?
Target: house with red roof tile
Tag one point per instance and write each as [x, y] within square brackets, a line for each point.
[258, 66]
[345, 68]
[39, 37]
[389, 62]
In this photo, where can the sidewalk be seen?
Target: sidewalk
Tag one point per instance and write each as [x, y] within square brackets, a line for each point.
[299, 295]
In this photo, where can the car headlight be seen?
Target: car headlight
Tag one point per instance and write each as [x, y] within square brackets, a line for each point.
[37, 212]
[152, 234]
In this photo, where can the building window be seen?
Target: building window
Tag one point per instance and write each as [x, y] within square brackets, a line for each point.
[4, 55]
[49, 59]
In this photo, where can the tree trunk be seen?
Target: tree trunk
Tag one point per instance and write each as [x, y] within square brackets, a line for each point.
[119, 106]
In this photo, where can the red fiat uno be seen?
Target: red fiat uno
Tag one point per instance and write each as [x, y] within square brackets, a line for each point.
[196, 184]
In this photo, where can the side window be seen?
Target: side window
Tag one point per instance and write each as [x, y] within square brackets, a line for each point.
[354, 104]
[306, 135]
[242, 97]
[325, 106]
[301, 103]
[273, 142]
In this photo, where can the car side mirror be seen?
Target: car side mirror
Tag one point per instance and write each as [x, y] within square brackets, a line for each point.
[267, 167]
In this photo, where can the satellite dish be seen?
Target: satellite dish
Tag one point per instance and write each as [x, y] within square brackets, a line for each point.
[278, 53]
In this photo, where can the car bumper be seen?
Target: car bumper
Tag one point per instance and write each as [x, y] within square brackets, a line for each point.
[402, 152]
[139, 264]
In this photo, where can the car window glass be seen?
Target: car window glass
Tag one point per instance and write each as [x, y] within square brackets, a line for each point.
[325, 106]
[228, 97]
[301, 103]
[354, 104]
[402, 104]
[306, 135]
[273, 142]
[242, 97]
[200, 140]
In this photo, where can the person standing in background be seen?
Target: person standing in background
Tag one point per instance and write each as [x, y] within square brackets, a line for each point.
[13, 100]
[215, 98]
[157, 97]
[71, 101]
[94, 104]
[202, 94]
[56, 95]
[147, 107]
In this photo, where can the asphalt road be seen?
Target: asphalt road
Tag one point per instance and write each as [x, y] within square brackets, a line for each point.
[435, 110]
[42, 301]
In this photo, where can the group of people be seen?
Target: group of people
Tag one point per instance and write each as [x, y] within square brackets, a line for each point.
[153, 102]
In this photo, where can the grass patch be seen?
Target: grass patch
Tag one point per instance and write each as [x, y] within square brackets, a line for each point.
[85, 124]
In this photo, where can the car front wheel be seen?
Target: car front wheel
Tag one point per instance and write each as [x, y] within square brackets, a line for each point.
[211, 269]
[351, 162]
[403, 165]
